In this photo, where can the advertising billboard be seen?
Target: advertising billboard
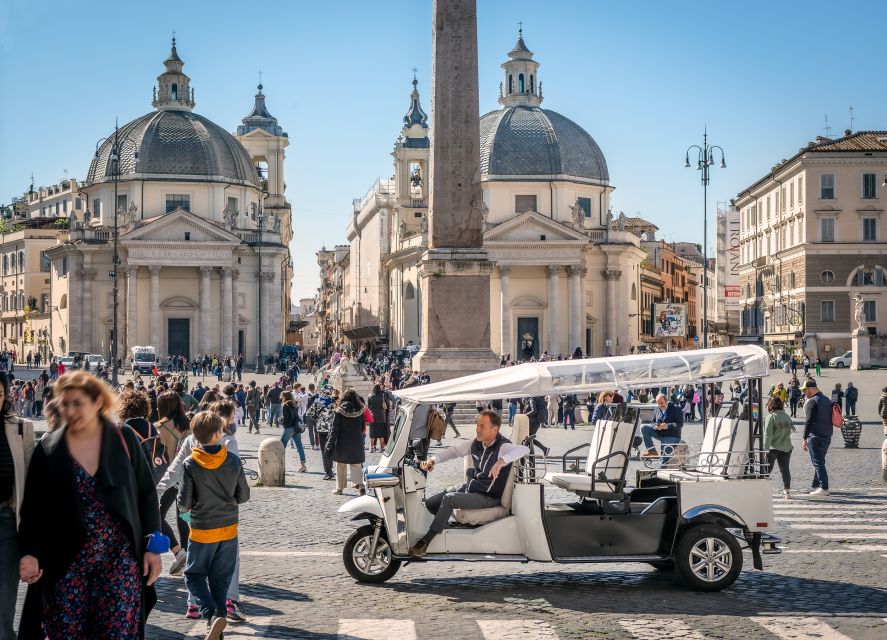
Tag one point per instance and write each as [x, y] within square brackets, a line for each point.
[731, 276]
[669, 320]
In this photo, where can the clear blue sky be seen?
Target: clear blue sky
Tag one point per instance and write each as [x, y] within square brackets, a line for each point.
[642, 77]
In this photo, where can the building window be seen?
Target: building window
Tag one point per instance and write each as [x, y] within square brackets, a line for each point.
[176, 201]
[870, 311]
[5, 265]
[121, 204]
[585, 205]
[409, 291]
[868, 186]
[870, 229]
[827, 277]
[175, 91]
[12, 263]
[524, 203]
[520, 83]
[21, 260]
[800, 189]
[827, 310]
[791, 280]
[510, 84]
[791, 194]
[78, 204]
[187, 235]
[827, 186]
[65, 206]
[97, 207]
[232, 204]
[827, 230]
[869, 278]
[65, 266]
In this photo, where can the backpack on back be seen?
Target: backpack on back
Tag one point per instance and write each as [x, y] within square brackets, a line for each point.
[837, 418]
[154, 450]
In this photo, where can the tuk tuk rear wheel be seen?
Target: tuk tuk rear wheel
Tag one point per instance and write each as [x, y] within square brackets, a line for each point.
[356, 558]
[708, 558]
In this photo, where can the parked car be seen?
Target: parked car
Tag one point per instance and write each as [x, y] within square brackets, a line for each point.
[68, 361]
[839, 362]
[95, 362]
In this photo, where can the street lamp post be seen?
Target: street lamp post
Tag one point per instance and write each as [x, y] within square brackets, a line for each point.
[261, 226]
[705, 159]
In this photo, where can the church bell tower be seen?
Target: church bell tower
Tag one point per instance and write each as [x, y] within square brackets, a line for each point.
[173, 90]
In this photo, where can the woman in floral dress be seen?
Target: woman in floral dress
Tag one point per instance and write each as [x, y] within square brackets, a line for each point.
[88, 509]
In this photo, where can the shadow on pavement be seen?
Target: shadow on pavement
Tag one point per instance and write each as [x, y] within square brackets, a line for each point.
[755, 593]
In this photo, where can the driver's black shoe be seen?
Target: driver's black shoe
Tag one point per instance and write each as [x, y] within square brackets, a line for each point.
[419, 549]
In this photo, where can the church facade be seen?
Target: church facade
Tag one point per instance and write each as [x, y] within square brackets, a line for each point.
[203, 230]
[565, 274]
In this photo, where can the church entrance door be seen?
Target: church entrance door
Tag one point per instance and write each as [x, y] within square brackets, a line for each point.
[179, 333]
[527, 338]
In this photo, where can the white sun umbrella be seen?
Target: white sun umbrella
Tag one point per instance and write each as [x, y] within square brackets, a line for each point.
[592, 375]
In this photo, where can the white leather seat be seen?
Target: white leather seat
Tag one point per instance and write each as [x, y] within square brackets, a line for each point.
[519, 432]
[606, 461]
[723, 454]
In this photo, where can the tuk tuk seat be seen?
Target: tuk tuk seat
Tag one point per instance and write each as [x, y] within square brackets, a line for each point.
[724, 449]
[606, 464]
[519, 433]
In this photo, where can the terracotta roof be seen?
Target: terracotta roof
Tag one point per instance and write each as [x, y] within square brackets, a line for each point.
[638, 222]
[861, 141]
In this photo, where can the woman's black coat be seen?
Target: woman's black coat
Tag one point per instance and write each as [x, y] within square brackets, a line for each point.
[346, 436]
[376, 404]
[51, 527]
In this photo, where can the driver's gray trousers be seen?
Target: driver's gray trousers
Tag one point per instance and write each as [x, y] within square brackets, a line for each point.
[442, 505]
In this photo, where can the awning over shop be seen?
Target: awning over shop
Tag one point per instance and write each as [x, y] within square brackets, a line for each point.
[366, 332]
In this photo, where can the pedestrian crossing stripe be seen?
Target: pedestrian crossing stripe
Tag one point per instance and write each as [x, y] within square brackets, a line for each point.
[376, 629]
[799, 628]
[853, 536]
[820, 526]
[823, 520]
[516, 630]
[659, 628]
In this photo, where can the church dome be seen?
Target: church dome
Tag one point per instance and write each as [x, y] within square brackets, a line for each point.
[527, 141]
[177, 143]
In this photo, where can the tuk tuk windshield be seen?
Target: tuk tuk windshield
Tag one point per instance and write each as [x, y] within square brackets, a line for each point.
[592, 375]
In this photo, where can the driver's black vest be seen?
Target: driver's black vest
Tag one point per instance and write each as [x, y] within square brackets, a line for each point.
[483, 459]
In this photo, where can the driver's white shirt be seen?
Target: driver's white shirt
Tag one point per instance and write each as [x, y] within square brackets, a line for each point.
[508, 452]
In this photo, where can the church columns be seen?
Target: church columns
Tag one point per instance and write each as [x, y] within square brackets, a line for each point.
[132, 316]
[204, 337]
[612, 277]
[227, 318]
[234, 313]
[264, 317]
[87, 276]
[553, 305]
[577, 307]
[154, 302]
[504, 297]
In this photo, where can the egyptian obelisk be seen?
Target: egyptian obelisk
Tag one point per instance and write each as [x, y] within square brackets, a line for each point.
[454, 271]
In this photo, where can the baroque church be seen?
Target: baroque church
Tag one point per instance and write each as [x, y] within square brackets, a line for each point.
[203, 230]
[565, 275]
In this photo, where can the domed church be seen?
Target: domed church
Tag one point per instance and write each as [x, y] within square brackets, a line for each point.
[565, 275]
[203, 229]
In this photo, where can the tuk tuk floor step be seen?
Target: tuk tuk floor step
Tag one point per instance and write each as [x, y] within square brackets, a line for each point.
[467, 557]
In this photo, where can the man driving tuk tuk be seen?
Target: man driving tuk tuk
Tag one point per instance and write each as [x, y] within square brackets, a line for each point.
[491, 455]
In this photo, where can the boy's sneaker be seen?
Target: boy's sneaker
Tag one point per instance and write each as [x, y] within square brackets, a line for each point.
[820, 493]
[192, 612]
[178, 565]
[786, 494]
[215, 628]
[235, 612]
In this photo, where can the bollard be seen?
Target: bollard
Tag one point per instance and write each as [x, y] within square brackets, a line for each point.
[272, 463]
[884, 461]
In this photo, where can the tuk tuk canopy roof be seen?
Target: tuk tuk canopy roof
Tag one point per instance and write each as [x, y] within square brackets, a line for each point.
[592, 375]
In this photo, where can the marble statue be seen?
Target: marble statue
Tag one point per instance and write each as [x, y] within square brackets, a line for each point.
[229, 215]
[132, 212]
[485, 216]
[577, 212]
[276, 224]
[859, 313]
[620, 223]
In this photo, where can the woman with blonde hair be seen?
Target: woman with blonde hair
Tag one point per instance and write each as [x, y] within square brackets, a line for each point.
[604, 398]
[89, 508]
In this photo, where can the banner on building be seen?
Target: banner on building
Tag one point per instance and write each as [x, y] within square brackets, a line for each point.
[669, 320]
[731, 277]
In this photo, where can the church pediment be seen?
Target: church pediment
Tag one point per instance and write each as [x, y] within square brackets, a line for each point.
[173, 226]
[531, 226]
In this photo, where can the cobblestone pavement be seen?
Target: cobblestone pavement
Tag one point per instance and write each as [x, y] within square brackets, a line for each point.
[829, 583]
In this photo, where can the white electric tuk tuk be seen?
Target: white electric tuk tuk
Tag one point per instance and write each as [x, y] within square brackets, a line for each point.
[693, 510]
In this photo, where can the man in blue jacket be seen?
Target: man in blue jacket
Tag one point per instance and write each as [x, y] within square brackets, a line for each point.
[668, 420]
[817, 435]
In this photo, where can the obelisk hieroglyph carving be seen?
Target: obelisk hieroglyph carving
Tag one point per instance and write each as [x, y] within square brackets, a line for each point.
[455, 272]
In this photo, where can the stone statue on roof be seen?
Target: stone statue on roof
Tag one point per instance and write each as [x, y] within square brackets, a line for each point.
[485, 216]
[229, 215]
[577, 212]
[276, 224]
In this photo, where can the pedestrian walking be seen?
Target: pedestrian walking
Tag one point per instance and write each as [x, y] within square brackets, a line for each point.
[253, 406]
[818, 367]
[273, 399]
[570, 411]
[449, 409]
[838, 396]
[215, 475]
[321, 412]
[90, 524]
[379, 432]
[173, 426]
[292, 427]
[778, 444]
[794, 395]
[16, 449]
[882, 408]
[851, 395]
[345, 441]
[817, 435]
[806, 363]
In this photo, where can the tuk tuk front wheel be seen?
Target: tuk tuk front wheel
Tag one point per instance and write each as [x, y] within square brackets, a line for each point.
[356, 556]
[708, 558]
